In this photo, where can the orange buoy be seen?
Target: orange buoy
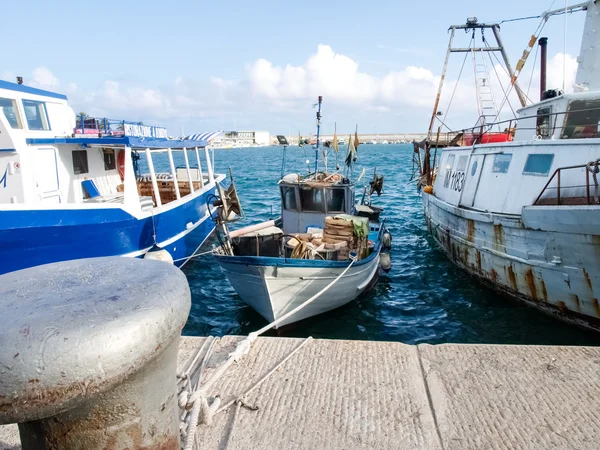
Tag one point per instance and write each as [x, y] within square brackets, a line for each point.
[428, 189]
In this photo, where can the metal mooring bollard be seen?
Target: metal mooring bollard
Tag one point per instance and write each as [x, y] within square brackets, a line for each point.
[88, 353]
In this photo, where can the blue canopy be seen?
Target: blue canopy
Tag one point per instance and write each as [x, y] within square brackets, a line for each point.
[122, 141]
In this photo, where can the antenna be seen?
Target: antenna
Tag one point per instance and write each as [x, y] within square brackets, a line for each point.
[565, 48]
[320, 99]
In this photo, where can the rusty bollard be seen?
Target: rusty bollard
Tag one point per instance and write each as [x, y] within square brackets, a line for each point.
[88, 353]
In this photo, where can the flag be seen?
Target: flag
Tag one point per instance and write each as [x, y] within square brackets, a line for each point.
[351, 155]
[356, 141]
[334, 143]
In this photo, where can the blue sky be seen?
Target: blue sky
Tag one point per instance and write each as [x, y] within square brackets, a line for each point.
[223, 64]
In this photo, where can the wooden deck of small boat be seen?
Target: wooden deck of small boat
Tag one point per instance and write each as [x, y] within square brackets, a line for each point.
[335, 394]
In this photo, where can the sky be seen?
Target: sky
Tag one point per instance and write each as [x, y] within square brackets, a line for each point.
[198, 66]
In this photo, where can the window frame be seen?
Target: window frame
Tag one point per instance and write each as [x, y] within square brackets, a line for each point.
[448, 169]
[576, 107]
[45, 119]
[312, 188]
[331, 190]
[109, 151]
[296, 200]
[17, 114]
[544, 113]
[507, 166]
[87, 164]
[538, 174]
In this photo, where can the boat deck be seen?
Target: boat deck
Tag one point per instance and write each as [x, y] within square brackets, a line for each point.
[335, 394]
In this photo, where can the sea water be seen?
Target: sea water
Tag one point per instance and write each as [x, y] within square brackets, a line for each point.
[423, 299]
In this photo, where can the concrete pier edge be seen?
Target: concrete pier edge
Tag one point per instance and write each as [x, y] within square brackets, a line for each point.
[336, 394]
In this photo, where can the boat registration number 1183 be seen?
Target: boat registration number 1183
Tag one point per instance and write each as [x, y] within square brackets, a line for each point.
[457, 181]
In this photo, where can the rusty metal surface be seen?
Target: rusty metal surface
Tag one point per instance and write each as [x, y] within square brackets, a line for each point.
[90, 346]
[557, 272]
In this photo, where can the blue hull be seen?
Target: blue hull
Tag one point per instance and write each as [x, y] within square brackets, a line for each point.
[34, 237]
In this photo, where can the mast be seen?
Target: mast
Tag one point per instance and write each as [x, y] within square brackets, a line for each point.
[318, 133]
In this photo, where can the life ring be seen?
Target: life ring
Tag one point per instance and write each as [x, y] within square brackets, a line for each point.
[121, 164]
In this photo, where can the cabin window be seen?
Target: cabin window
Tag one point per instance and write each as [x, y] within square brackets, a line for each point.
[288, 194]
[449, 165]
[582, 119]
[80, 162]
[9, 108]
[109, 159]
[35, 113]
[501, 162]
[543, 122]
[336, 200]
[538, 164]
[311, 199]
[462, 163]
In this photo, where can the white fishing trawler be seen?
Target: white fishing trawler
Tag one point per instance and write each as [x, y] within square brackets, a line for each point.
[77, 188]
[323, 243]
[517, 203]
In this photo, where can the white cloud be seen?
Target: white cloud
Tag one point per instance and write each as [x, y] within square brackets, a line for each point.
[280, 94]
[555, 72]
[43, 78]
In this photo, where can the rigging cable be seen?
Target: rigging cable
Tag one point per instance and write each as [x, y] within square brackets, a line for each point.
[537, 48]
[456, 85]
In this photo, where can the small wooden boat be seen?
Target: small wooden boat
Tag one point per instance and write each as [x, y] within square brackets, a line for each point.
[323, 241]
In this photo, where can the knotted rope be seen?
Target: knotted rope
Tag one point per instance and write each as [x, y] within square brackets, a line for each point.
[594, 168]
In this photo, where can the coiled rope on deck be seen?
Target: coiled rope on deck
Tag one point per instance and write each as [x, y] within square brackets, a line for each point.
[201, 410]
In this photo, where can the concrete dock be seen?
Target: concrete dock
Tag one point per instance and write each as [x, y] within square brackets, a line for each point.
[385, 395]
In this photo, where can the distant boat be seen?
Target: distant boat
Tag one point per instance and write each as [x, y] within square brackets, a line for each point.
[384, 142]
[372, 142]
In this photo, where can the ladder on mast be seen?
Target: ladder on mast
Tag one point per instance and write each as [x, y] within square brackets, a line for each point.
[486, 103]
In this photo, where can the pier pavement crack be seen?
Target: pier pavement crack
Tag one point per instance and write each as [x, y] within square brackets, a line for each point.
[429, 399]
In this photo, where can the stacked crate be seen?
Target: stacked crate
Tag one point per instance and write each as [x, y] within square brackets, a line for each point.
[339, 233]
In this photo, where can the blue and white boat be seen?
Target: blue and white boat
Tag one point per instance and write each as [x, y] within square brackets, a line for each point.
[322, 253]
[74, 188]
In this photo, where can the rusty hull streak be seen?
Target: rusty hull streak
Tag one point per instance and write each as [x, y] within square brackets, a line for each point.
[470, 230]
[544, 292]
[587, 279]
[494, 275]
[596, 307]
[499, 238]
[562, 306]
[530, 281]
[577, 302]
[512, 277]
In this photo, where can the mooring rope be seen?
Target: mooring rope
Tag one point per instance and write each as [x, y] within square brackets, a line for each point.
[594, 168]
[201, 410]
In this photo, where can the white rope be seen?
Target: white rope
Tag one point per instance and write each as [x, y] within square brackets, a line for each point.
[594, 169]
[198, 402]
[196, 255]
[267, 375]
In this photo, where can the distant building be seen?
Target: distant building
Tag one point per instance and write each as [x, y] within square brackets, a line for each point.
[243, 139]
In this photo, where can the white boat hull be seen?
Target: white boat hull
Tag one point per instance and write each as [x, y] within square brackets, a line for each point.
[274, 290]
[548, 257]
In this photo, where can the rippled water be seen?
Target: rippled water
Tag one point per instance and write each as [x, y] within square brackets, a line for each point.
[424, 298]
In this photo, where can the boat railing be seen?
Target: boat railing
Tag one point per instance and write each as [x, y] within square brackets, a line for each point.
[116, 127]
[480, 132]
[560, 193]
[167, 189]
